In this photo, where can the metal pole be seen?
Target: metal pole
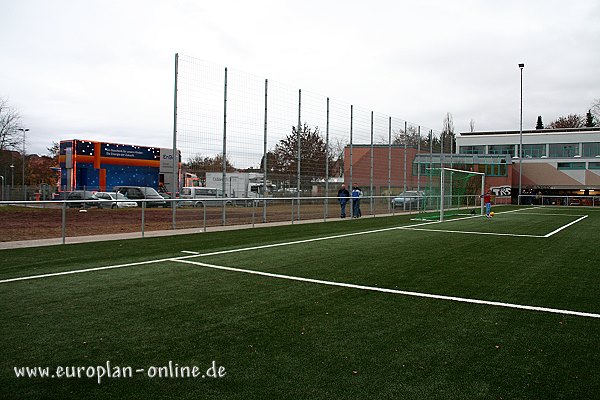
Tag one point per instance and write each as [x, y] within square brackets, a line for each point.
[326, 211]
[442, 194]
[351, 183]
[175, 184]
[299, 147]
[264, 216]
[64, 221]
[405, 147]
[371, 174]
[143, 216]
[23, 177]
[224, 167]
[389, 191]
[418, 165]
[482, 192]
[521, 66]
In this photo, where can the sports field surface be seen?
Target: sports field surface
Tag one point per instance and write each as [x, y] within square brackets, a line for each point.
[372, 308]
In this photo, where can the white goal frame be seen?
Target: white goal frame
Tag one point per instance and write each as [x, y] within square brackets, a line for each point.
[442, 191]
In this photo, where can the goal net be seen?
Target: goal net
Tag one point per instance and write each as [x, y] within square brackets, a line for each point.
[452, 192]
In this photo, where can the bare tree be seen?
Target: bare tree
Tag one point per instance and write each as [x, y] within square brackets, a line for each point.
[570, 121]
[448, 137]
[10, 122]
[200, 165]
[595, 110]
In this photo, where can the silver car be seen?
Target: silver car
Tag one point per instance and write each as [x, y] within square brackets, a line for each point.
[114, 200]
[410, 199]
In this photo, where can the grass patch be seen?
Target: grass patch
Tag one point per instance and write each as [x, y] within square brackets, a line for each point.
[283, 339]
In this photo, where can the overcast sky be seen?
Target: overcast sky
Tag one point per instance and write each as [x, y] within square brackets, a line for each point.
[103, 70]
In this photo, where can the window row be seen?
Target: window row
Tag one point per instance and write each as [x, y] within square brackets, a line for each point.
[555, 150]
[578, 165]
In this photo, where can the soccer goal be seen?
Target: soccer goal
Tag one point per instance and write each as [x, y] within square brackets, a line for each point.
[452, 192]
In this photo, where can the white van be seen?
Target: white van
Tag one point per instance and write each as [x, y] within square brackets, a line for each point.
[203, 196]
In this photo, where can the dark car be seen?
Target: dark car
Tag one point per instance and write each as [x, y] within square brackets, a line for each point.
[86, 198]
[140, 193]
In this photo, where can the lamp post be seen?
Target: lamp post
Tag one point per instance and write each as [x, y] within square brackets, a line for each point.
[23, 178]
[521, 66]
[2, 197]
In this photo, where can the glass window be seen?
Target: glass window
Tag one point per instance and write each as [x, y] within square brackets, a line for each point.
[534, 150]
[493, 169]
[502, 149]
[564, 149]
[594, 165]
[571, 165]
[591, 149]
[471, 149]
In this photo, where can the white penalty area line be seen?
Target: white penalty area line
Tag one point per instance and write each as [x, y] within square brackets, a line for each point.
[474, 233]
[565, 226]
[392, 291]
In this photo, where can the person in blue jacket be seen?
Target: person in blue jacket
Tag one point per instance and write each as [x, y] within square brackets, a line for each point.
[356, 195]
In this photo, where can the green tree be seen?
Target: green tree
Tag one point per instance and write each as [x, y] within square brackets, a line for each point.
[539, 124]
[589, 119]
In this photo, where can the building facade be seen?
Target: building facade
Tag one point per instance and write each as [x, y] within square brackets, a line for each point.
[555, 161]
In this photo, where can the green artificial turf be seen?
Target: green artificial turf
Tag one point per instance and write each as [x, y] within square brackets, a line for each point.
[285, 339]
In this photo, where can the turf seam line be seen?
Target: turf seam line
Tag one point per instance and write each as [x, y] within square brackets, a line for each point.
[393, 291]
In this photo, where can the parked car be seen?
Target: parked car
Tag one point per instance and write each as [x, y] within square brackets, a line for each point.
[109, 200]
[86, 198]
[203, 196]
[409, 199]
[140, 193]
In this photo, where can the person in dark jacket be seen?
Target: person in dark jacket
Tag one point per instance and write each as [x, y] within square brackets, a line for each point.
[343, 195]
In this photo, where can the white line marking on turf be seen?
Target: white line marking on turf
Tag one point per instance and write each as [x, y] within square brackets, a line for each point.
[197, 254]
[79, 271]
[393, 291]
[473, 233]
[553, 215]
[565, 226]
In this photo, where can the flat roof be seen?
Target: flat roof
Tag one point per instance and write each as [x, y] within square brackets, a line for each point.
[532, 131]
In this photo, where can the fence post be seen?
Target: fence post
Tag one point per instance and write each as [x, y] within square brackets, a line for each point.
[351, 182]
[175, 185]
[143, 216]
[371, 168]
[64, 221]
[224, 165]
[299, 180]
[264, 217]
[327, 155]
[389, 192]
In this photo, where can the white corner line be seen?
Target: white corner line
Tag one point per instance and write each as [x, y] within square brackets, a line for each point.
[394, 291]
[565, 226]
